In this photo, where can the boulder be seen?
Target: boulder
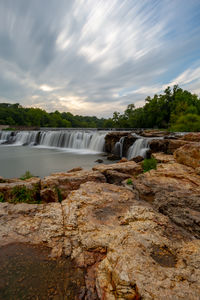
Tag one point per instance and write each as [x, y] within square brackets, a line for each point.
[168, 146]
[123, 159]
[191, 137]
[57, 186]
[129, 167]
[176, 185]
[189, 155]
[128, 250]
[137, 159]
[111, 139]
[163, 158]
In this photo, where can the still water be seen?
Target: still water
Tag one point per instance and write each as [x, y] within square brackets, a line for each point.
[16, 160]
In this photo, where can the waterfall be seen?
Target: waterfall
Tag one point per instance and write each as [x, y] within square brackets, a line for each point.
[118, 150]
[139, 148]
[68, 139]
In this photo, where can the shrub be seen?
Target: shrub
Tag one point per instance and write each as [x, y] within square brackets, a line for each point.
[27, 175]
[22, 194]
[129, 181]
[149, 164]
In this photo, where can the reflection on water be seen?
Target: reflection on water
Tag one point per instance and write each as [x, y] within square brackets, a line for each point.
[27, 272]
[15, 161]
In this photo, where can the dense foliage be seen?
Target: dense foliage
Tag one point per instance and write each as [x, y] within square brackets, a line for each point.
[176, 109]
[16, 115]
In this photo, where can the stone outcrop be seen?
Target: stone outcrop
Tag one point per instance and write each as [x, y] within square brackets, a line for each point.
[129, 250]
[189, 155]
[111, 139]
[57, 186]
[192, 137]
[178, 186]
[163, 158]
[130, 167]
[168, 146]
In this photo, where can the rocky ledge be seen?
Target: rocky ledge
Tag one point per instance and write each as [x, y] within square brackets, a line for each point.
[135, 235]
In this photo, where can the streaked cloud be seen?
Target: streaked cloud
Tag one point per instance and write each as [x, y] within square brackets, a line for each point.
[94, 57]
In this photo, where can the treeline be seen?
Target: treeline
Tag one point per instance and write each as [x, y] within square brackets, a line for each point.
[16, 115]
[176, 109]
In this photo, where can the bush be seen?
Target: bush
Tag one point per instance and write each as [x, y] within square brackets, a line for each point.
[22, 194]
[149, 164]
[27, 175]
[185, 123]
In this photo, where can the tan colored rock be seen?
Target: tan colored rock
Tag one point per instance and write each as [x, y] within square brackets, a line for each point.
[130, 167]
[167, 146]
[32, 223]
[131, 250]
[163, 158]
[123, 159]
[115, 177]
[189, 155]
[192, 137]
[57, 186]
[174, 190]
[21, 190]
[153, 133]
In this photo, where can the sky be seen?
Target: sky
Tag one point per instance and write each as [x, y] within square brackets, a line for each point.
[94, 57]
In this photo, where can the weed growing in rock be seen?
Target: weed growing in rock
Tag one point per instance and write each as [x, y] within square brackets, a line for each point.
[149, 164]
[129, 181]
[22, 194]
[2, 197]
[58, 191]
[27, 175]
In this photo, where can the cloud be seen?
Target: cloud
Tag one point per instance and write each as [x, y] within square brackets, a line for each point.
[95, 57]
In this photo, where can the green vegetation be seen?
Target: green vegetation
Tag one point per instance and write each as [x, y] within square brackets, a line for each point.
[129, 181]
[22, 194]
[27, 175]
[175, 109]
[149, 164]
[58, 191]
[2, 197]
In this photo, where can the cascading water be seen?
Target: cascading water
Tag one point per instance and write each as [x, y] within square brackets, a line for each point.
[119, 147]
[139, 148]
[69, 139]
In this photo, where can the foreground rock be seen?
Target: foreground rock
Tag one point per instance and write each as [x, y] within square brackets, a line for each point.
[189, 155]
[128, 250]
[56, 187]
[174, 190]
[129, 167]
[163, 158]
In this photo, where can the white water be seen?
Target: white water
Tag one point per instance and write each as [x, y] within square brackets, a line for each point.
[119, 147]
[139, 148]
[65, 139]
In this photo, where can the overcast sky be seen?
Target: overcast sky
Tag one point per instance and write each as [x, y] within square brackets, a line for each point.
[93, 57]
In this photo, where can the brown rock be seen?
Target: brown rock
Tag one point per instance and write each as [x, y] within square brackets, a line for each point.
[163, 158]
[137, 159]
[192, 137]
[123, 159]
[61, 184]
[112, 138]
[154, 133]
[189, 155]
[115, 177]
[129, 167]
[173, 189]
[75, 170]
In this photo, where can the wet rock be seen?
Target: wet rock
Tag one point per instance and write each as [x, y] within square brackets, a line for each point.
[100, 161]
[129, 167]
[189, 155]
[61, 184]
[75, 170]
[137, 159]
[113, 157]
[111, 139]
[168, 146]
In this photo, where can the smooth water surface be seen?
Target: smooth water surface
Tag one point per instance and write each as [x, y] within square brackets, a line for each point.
[16, 160]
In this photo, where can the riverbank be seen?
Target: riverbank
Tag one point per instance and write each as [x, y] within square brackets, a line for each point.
[135, 235]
